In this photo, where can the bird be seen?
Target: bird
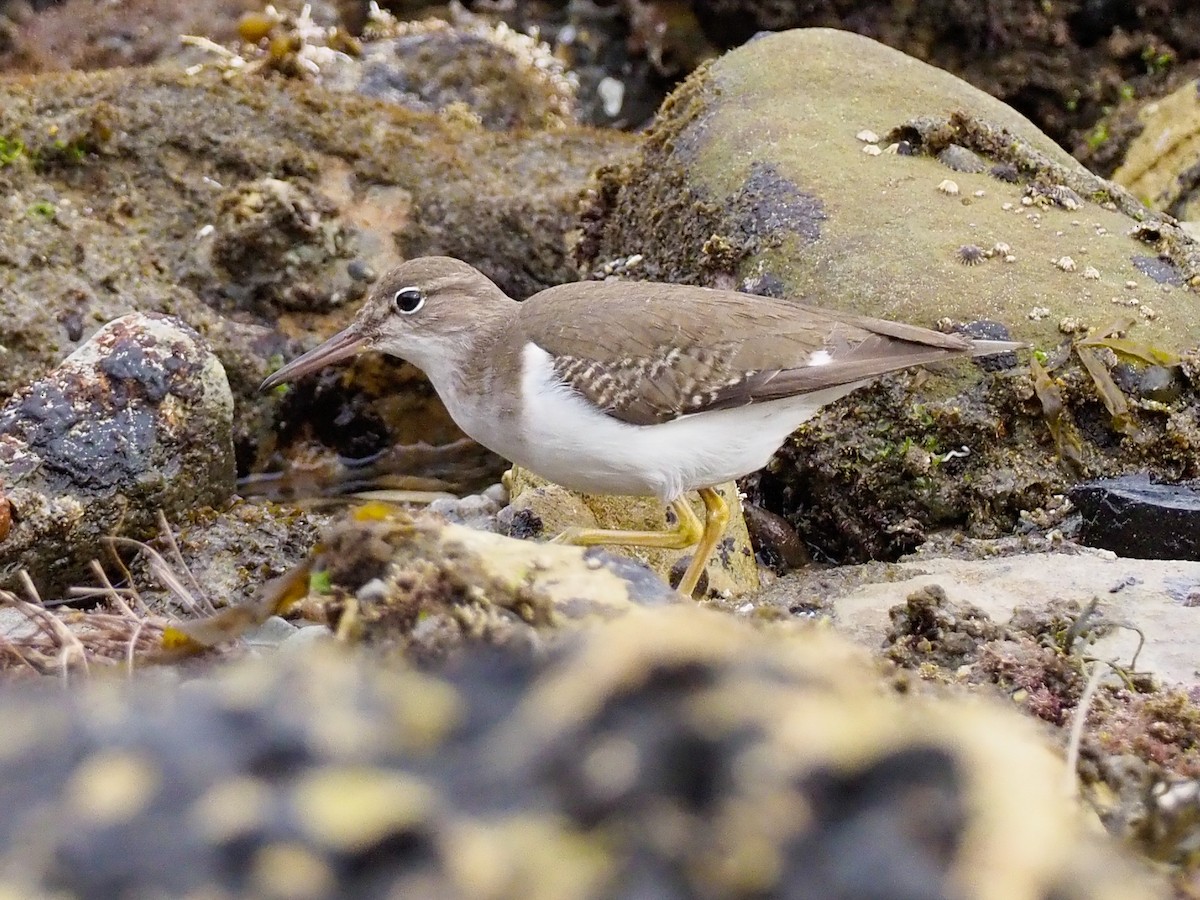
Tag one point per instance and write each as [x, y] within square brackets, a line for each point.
[628, 387]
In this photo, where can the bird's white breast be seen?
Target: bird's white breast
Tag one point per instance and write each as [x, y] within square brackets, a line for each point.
[565, 439]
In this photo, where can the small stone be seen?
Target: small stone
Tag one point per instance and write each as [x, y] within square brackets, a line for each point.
[1071, 325]
[892, 149]
[1001, 249]
[1065, 263]
[980, 194]
[1038, 313]
[1091, 273]
[360, 270]
[1148, 313]
[948, 187]
[1006, 206]
[1010, 258]
[960, 159]
[871, 150]
[868, 136]
[1131, 285]
[1160, 384]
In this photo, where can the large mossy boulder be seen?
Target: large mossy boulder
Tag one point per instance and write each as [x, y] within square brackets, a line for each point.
[820, 164]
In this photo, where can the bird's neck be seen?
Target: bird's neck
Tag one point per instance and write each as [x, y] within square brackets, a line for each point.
[474, 365]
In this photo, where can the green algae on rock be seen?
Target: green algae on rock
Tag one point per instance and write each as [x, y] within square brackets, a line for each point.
[753, 172]
[754, 175]
[1161, 165]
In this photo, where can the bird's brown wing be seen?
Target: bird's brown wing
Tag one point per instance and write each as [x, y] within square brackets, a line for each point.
[664, 351]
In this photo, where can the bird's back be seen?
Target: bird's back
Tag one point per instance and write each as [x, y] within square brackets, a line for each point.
[650, 352]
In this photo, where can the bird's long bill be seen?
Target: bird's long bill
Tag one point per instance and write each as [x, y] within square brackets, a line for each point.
[341, 346]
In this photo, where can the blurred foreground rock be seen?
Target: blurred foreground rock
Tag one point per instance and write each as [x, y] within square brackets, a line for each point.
[668, 754]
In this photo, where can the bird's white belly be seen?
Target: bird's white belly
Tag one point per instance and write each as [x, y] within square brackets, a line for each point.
[565, 439]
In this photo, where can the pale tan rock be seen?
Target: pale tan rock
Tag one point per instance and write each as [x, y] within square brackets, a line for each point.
[733, 570]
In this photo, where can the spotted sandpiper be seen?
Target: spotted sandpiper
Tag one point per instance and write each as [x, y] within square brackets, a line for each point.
[628, 387]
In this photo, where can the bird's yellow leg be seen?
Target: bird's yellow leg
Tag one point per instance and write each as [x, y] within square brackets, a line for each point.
[687, 531]
[716, 518]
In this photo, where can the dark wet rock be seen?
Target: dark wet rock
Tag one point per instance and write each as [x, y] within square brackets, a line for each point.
[778, 755]
[1133, 516]
[1158, 269]
[960, 159]
[990, 331]
[776, 543]
[137, 420]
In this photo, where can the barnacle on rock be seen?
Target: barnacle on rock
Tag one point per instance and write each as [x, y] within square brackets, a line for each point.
[970, 255]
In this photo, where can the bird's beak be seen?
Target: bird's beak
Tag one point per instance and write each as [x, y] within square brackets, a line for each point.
[341, 346]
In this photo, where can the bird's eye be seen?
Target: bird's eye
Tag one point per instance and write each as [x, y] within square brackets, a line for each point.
[408, 300]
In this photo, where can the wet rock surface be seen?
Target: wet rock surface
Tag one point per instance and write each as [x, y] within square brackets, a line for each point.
[1161, 164]
[138, 420]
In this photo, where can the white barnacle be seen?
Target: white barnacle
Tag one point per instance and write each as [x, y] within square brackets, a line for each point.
[948, 187]
[1065, 263]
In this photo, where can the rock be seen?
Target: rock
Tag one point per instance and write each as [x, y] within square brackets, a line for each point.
[432, 588]
[243, 205]
[1064, 64]
[502, 77]
[543, 510]
[1162, 162]
[717, 193]
[137, 420]
[1133, 516]
[753, 177]
[1158, 597]
[672, 752]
